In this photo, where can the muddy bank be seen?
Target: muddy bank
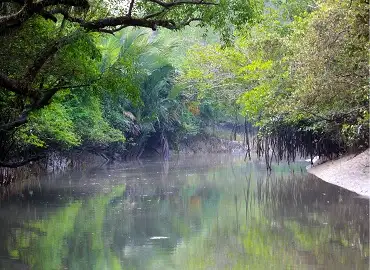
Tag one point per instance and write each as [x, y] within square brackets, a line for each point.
[209, 144]
[350, 172]
[14, 180]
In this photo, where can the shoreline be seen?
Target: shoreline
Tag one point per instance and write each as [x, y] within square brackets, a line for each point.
[350, 172]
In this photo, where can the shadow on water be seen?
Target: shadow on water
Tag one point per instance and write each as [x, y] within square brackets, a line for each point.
[201, 212]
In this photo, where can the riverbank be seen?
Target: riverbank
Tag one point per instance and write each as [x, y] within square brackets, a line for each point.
[350, 172]
[209, 144]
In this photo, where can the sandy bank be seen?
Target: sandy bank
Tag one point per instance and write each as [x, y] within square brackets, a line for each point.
[350, 172]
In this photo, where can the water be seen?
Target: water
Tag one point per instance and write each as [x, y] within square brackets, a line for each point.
[205, 212]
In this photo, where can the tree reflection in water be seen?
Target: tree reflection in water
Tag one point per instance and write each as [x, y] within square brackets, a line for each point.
[197, 214]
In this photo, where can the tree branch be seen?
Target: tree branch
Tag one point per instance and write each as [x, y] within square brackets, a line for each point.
[130, 8]
[39, 104]
[24, 88]
[121, 21]
[19, 17]
[21, 2]
[72, 3]
[13, 85]
[38, 7]
[48, 16]
[189, 21]
[46, 53]
[178, 3]
[30, 8]
[40, 98]
[155, 14]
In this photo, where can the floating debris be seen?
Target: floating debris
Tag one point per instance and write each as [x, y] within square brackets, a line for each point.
[158, 237]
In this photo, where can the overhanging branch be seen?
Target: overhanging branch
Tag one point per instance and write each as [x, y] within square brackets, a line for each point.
[30, 8]
[13, 85]
[121, 21]
[178, 3]
[21, 120]
[46, 53]
[39, 98]
[24, 87]
[39, 104]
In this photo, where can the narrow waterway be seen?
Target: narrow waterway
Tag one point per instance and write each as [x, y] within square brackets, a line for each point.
[199, 212]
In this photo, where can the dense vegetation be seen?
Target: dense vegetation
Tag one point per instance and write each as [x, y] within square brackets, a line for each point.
[300, 75]
[77, 75]
[66, 83]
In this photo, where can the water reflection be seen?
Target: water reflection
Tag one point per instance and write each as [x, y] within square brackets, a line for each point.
[194, 213]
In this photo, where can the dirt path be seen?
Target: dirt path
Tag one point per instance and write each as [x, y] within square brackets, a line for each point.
[350, 172]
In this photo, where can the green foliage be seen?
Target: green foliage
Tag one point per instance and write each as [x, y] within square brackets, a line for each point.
[54, 124]
[223, 17]
[304, 65]
[332, 57]
[297, 64]
[44, 244]
[21, 47]
[47, 49]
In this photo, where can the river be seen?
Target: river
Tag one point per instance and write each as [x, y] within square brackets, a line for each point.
[198, 212]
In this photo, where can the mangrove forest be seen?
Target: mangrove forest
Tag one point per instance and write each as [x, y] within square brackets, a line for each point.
[177, 134]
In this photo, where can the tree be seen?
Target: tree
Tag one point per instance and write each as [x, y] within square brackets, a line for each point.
[302, 81]
[51, 29]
